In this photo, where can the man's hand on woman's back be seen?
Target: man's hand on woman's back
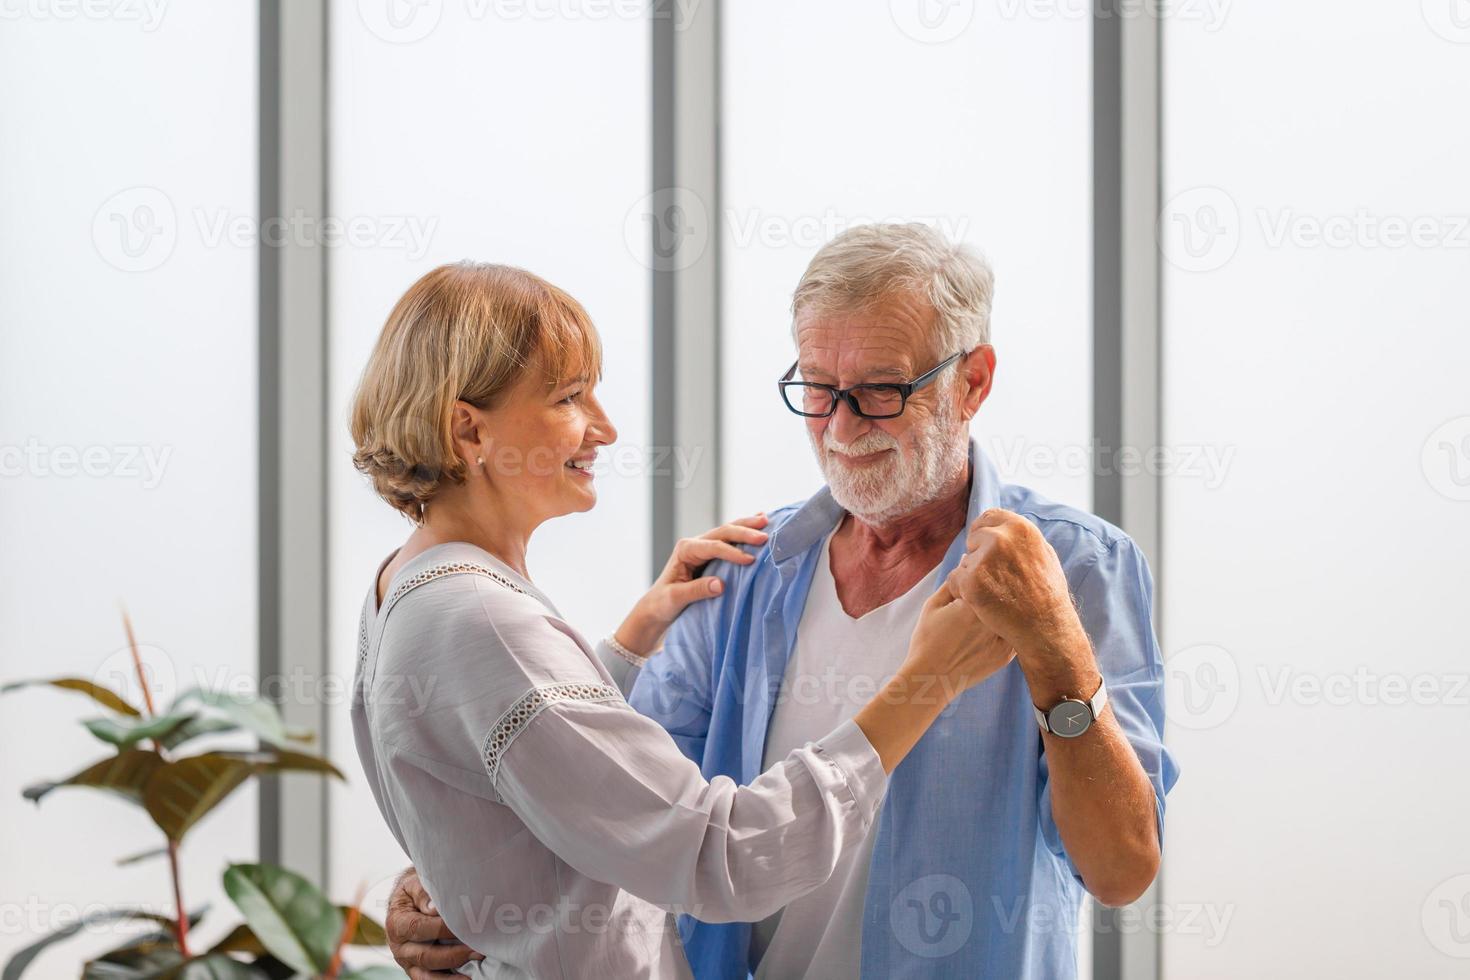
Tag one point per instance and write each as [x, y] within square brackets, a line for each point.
[419, 939]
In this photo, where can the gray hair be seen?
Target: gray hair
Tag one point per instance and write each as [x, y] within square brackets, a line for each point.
[866, 263]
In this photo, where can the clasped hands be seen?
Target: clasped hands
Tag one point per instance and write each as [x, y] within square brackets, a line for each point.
[1012, 581]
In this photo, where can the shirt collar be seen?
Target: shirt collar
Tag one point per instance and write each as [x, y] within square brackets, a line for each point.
[821, 514]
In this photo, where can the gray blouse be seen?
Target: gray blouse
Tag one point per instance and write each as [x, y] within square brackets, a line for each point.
[557, 829]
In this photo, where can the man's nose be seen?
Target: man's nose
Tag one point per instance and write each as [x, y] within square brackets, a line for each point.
[846, 424]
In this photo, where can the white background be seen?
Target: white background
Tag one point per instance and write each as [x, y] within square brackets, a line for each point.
[522, 141]
[980, 127]
[91, 355]
[1312, 833]
[1328, 833]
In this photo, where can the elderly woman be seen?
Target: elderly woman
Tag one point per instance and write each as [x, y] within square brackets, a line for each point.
[556, 829]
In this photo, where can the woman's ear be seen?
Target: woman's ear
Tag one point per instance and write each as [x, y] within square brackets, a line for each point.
[469, 434]
[978, 370]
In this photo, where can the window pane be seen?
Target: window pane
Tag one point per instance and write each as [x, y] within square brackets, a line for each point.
[507, 138]
[1314, 573]
[127, 425]
[978, 121]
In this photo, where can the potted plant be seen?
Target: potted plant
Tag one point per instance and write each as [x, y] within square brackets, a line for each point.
[290, 928]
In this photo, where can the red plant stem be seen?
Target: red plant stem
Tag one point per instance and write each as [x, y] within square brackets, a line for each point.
[349, 929]
[138, 664]
[182, 930]
[181, 923]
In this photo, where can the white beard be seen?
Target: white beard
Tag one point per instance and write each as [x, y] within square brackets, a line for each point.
[880, 492]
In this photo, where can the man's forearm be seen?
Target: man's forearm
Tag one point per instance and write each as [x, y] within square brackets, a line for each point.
[1101, 799]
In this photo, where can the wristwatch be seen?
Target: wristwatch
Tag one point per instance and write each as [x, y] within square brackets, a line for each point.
[1069, 717]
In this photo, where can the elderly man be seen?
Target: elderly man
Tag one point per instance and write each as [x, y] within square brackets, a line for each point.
[1047, 779]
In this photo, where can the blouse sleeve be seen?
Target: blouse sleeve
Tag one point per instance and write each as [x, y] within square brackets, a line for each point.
[609, 791]
[622, 665]
[514, 692]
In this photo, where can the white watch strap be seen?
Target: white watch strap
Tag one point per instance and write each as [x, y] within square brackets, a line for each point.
[1100, 699]
[1098, 702]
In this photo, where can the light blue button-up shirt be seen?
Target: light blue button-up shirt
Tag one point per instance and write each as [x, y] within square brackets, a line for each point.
[969, 877]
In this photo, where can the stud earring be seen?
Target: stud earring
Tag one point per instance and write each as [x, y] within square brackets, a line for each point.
[479, 460]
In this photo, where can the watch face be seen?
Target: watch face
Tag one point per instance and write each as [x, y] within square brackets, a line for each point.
[1069, 718]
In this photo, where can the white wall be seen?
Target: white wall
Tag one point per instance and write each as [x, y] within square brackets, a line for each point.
[1317, 593]
[523, 141]
[976, 120]
[126, 328]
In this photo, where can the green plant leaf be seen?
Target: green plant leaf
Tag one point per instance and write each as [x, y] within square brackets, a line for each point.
[241, 939]
[288, 914]
[22, 959]
[125, 774]
[248, 712]
[126, 734]
[102, 695]
[141, 856]
[369, 931]
[196, 726]
[143, 955]
[159, 962]
[180, 793]
[214, 966]
[373, 973]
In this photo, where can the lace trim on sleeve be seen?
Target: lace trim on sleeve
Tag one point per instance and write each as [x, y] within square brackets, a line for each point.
[519, 715]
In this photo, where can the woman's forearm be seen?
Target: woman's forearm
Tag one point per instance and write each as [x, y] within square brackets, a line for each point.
[901, 712]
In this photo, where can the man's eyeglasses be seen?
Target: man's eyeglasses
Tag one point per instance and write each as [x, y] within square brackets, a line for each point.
[870, 401]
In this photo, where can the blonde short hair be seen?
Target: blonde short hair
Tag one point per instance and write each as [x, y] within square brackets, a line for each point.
[467, 332]
[867, 263]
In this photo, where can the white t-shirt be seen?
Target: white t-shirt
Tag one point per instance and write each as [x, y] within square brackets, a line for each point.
[838, 665]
